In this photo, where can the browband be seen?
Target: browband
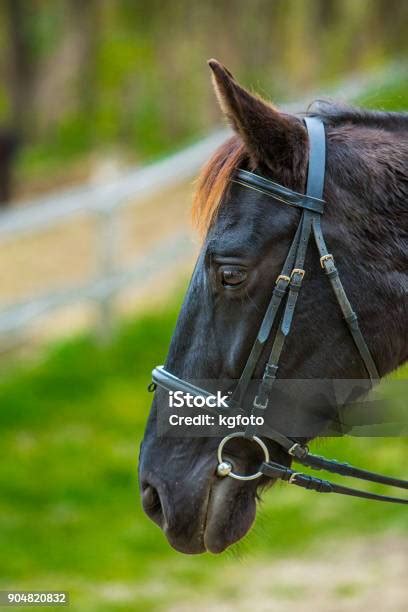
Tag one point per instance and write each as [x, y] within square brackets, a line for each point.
[278, 192]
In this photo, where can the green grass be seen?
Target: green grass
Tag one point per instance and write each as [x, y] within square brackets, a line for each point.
[70, 514]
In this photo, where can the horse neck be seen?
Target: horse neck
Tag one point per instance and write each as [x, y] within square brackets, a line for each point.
[369, 222]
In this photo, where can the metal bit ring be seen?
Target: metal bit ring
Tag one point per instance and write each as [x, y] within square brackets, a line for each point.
[224, 468]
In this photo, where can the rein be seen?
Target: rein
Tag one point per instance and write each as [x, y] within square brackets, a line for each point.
[286, 292]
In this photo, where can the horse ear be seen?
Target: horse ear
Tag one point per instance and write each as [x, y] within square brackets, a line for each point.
[272, 138]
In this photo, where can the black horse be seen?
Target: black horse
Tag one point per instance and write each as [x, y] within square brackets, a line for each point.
[246, 240]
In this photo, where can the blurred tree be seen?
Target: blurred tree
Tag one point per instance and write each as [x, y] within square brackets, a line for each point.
[8, 147]
[20, 73]
[84, 20]
[22, 64]
[85, 74]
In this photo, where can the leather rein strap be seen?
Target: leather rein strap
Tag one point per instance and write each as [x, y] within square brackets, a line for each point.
[285, 294]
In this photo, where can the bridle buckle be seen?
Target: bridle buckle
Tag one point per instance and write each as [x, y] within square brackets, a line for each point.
[298, 451]
[261, 405]
[325, 258]
[282, 277]
[297, 271]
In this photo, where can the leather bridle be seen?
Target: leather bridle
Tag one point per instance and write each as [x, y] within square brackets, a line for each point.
[284, 297]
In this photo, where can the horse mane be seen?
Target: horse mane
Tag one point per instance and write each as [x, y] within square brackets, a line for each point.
[335, 114]
[214, 178]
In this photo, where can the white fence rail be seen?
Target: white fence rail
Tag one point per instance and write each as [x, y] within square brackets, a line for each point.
[99, 290]
[105, 200]
[132, 186]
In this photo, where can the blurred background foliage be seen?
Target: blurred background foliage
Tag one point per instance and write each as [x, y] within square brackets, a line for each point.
[82, 76]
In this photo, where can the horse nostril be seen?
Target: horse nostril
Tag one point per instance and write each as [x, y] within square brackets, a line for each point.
[151, 497]
[152, 504]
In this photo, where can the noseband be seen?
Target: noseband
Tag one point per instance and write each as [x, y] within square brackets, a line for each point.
[285, 293]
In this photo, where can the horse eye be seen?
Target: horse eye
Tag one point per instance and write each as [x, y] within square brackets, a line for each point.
[233, 277]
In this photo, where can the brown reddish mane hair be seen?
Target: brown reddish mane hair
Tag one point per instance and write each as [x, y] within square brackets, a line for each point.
[214, 180]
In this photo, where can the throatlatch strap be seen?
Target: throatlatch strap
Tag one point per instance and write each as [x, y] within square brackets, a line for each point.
[327, 262]
[317, 161]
